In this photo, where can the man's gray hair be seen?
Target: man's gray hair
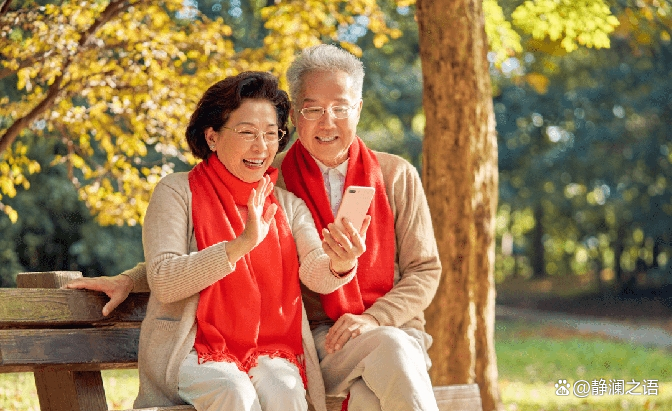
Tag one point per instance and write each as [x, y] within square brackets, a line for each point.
[323, 57]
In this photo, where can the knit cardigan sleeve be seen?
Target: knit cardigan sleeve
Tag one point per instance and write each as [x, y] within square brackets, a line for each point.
[417, 264]
[175, 269]
[314, 269]
[139, 276]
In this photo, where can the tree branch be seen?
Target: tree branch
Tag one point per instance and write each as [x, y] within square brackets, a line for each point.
[6, 72]
[7, 138]
[4, 8]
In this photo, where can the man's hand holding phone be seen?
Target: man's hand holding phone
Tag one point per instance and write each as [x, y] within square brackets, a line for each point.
[342, 240]
[344, 247]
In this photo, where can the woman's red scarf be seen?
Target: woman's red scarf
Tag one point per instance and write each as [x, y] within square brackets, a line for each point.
[256, 309]
[375, 269]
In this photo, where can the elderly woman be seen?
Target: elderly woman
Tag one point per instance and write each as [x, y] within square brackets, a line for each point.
[225, 250]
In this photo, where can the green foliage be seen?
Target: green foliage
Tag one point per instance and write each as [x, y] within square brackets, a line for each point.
[117, 80]
[55, 230]
[572, 22]
[504, 40]
[393, 90]
[584, 139]
[122, 100]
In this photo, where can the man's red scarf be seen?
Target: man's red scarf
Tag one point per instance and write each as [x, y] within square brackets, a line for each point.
[375, 269]
[256, 309]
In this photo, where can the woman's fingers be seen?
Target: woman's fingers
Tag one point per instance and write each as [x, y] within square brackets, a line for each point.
[258, 195]
[252, 198]
[269, 188]
[270, 212]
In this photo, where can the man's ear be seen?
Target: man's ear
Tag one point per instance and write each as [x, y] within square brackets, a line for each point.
[359, 108]
[292, 114]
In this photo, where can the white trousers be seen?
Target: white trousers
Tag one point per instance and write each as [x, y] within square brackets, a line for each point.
[273, 385]
[383, 369]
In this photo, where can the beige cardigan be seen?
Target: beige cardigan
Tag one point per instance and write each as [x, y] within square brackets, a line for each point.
[417, 267]
[177, 272]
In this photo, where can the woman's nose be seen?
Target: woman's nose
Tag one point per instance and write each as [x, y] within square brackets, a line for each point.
[260, 142]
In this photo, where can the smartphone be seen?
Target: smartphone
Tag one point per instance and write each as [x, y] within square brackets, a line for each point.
[354, 205]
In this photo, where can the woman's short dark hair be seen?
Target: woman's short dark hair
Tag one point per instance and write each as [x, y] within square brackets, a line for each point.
[225, 96]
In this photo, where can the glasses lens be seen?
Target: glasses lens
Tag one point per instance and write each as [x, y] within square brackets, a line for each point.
[312, 113]
[340, 111]
[247, 133]
[271, 136]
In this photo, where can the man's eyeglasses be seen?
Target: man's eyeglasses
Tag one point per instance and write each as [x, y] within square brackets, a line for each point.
[315, 113]
[250, 133]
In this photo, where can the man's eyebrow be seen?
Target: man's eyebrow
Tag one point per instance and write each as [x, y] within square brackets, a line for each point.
[312, 100]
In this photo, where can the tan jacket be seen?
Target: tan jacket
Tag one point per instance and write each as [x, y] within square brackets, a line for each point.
[417, 267]
[177, 272]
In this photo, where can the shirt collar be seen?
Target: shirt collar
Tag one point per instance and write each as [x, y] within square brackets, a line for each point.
[341, 168]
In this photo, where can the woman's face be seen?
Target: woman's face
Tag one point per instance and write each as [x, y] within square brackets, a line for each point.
[247, 160]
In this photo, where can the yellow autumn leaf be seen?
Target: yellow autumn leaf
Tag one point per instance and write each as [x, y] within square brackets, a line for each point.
[538, 81]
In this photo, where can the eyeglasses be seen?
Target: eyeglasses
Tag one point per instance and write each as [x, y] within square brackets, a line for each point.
[250, 133]
[315, 113]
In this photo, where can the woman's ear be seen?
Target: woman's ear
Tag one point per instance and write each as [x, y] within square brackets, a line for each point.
[210, 138]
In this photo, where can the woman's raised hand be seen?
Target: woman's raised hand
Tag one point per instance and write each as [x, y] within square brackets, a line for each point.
[344, 246]
[259, 222]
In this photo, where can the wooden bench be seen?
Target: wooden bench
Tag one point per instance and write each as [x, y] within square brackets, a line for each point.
[64, 340]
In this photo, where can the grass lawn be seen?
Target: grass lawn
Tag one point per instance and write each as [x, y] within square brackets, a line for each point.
[531, 359]
[17, 390]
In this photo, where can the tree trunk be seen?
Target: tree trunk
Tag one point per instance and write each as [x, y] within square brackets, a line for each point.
[538, 260]
[619, 248]
[656, 252]
[460, 180]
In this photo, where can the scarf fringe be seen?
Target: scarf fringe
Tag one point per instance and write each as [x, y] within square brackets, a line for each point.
[253, 360]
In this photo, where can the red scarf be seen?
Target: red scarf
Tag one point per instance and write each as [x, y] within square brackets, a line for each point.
[256, 309]
[375, 270]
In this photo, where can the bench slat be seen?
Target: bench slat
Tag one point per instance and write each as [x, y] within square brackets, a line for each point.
[173, 408]
[36, 307]
[458, 397]
[79, 349]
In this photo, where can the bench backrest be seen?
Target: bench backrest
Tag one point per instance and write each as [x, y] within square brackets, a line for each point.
[44, 327]
[62, 337]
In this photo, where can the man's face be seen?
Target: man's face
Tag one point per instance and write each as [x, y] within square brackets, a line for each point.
[327, 138]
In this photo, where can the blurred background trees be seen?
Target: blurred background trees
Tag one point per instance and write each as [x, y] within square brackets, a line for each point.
[94, 97]
[585, 155]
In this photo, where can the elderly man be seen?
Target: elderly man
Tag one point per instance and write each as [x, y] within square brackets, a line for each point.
[369, 334]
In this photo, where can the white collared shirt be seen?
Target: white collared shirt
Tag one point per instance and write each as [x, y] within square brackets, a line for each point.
[334, 179]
